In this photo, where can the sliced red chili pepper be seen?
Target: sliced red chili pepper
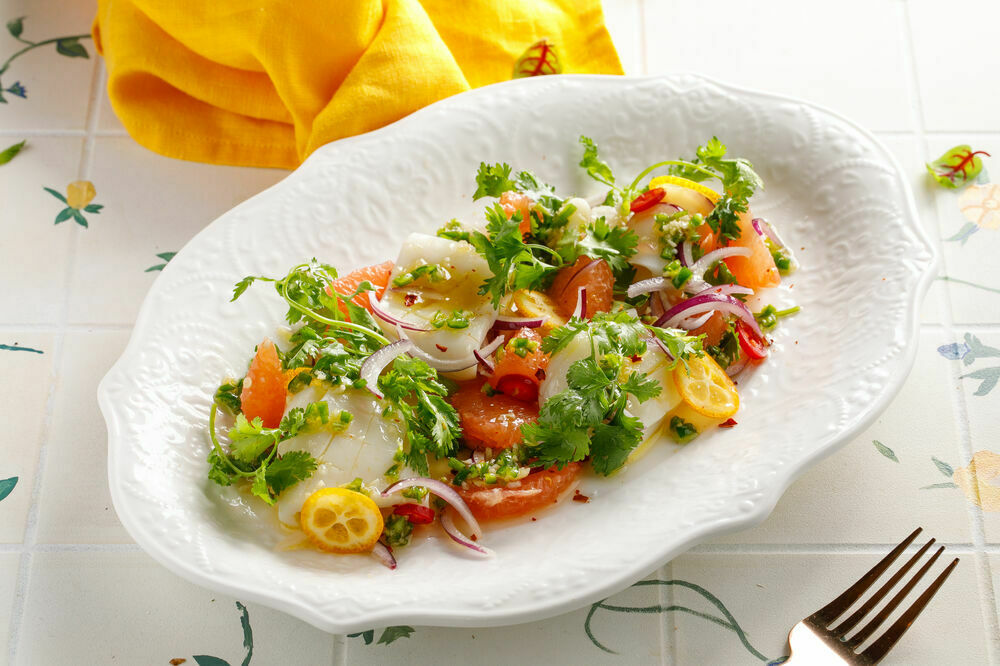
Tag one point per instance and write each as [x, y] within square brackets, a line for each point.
[518, 386]
[728, 423]
[418, 514]
[753, 346]
[647, 199]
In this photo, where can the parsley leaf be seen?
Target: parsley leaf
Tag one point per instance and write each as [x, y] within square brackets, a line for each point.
[739, 182]
[288, 470]
[589, 417]
[596, 168]
[415, 393]
[512, 262]
[251, 439]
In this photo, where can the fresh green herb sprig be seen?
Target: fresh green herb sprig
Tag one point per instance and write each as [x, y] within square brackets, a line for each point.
[307, 291]
[769, 316]
[513, 263]
[600, 240]
[253, 452]
[727, 351]
[589, 417]
[414, 392]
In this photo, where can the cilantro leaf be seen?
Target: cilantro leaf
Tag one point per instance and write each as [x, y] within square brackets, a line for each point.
[251, 439]
[679, 344]
[596, 168]
[259, 487]
[641, 386]
[288, 470]
[512, 262]
[589, 418]
[432, 426]
[492, 180]
[600, 240]
[611, 443]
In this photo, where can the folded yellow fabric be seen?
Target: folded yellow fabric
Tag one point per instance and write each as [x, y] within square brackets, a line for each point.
[265, 82]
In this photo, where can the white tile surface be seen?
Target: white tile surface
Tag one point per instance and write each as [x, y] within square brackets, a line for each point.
[33, 269]
[153, 204]
[58, 87]
[75, 505]
[633, 636]
[24, 400]
[834, 57]
[960, 92]
[833, 501]
[92, 598]
[155, 617]
[9, 564]
[768, 594]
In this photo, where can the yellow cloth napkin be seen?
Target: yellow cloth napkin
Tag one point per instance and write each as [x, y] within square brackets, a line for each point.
[265, 82]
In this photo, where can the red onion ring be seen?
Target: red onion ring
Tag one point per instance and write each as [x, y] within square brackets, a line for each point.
[738, 367]
[445, 492]
[382, 553]
[448, 523]
[727, 289]
[385, 316]
[483, 355]
[764, 228]
[581, 304]
[373, 365]
[515, 323]
[436, 363]
[646, 286]
[685, 256]
[705, 302]
[695, 321]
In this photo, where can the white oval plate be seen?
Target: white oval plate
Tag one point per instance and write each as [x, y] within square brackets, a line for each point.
[832, 188]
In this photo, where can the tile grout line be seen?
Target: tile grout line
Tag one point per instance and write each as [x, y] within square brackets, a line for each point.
[987, 593]
[339, 655]
[668, 648]
[31, 525]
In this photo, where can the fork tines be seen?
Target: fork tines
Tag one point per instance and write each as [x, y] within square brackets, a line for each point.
[825, 616]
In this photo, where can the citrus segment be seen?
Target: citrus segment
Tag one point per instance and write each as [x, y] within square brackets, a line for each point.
[707, 388]
[377, 274]
[706, 192]
[265, 388]
[339, 520]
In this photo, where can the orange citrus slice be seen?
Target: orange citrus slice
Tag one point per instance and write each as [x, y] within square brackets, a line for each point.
[339, 520]
[707, 388]
[707, 192]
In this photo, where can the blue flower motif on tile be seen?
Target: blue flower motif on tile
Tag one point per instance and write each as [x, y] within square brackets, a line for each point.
[954, 351]
[17, 90]
[67, 46]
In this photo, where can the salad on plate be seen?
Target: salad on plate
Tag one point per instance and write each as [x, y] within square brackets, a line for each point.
[480, 374]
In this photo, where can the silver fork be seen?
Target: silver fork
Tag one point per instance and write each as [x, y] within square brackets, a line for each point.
[815, 641]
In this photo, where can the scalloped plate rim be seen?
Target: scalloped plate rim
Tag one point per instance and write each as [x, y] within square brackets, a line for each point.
[762, 507]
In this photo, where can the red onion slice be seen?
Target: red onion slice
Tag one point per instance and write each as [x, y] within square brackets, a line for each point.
[385, 316]
[373, 365]
[727, 289]
[445, 492]
[764, 228]
[436, 363]
[694, 322]
[448, 523]
[686, 257]
[581, 304]
[738, 367]
[705, 302]
[483, 355]
[515, 323]
[646, 286]
[709, 259]
[381, 553]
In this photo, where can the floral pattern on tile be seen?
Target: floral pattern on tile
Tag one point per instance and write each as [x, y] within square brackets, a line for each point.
[78, 196]
[69, 46]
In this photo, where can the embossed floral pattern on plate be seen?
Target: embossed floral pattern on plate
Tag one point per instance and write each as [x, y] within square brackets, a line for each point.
[836, 193]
